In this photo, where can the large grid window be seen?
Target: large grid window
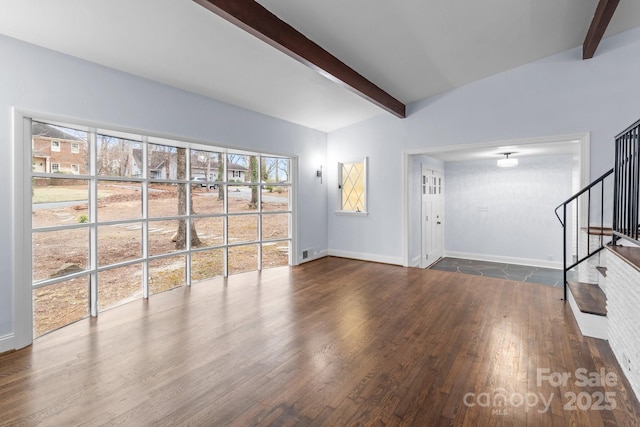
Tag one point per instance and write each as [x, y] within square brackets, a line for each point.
[146, 215]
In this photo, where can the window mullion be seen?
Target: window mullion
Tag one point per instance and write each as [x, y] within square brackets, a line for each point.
[187, 220]
[144, 146]
[260, 175]
[93, 229]
[225, 205]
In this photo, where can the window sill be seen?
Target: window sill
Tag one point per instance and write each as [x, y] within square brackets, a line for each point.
[351, 213]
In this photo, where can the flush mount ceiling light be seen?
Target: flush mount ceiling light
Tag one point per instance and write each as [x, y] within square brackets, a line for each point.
[507, 162]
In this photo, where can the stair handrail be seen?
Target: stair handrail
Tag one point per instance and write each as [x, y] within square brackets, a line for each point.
[581, 192]
[563, 222]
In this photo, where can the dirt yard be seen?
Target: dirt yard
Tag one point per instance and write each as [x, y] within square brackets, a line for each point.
[56, 253]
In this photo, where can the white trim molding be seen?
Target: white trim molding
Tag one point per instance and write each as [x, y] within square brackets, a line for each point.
[318, 255]
[7, 343]
[506, 260]
[366, 257]
[21, 278]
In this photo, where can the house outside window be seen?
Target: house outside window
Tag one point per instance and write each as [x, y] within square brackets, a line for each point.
[352, 181]
[75, 148]
[55, 167]
[55, 145]
[75, 169]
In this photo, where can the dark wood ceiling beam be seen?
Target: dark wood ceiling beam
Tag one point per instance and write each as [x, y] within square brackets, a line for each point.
[257, 20]
[601, 19]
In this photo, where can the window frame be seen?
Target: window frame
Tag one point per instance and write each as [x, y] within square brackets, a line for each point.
[55, 167]
[22, 155]
[365, 182]
[55, 145]
[75, 148]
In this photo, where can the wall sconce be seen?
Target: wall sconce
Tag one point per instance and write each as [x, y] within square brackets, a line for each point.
[319, 174]
[507, 162]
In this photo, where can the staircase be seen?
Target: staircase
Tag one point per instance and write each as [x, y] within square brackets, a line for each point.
[588, 302]
[583, 218]
[600, 216]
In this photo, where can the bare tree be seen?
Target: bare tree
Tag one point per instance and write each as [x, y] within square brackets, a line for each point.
[220, 173]
[253, 173]
[180, 237]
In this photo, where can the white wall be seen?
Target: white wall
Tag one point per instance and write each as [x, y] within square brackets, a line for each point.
[36, 79]
[558, 95]
[494, 213]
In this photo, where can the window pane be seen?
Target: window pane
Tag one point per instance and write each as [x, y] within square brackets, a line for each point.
[243, 259]
[58, 305]
[275, 226]
[208, 165]
[118, 156]
[243, 228]
[59, 201]
[206, 264]
[275, 198]
[238, 168]
[119, 286]
[162, 235]
[52, 144]
[163, 200]
[210, 231]
[59, 253]
[167, 162]
[166, 273]
[275, 254]
[119, 200]
[118, 243]
[353, 196]
[274, 170]
[207, 200]
[242, 198]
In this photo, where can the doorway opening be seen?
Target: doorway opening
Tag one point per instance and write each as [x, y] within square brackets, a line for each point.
[437, 157]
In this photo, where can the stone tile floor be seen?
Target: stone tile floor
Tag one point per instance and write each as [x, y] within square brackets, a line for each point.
[519, 273]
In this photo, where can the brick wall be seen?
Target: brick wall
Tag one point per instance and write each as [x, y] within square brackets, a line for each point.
[623, 312]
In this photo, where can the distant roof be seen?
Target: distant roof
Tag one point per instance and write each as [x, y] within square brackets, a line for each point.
[202, 164]
[157, 159]
[49, 131]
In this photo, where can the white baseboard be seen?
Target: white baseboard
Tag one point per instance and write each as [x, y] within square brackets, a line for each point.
[506, 259]
[415, 262]
[7, 343]
[318, 255]
[366, 257]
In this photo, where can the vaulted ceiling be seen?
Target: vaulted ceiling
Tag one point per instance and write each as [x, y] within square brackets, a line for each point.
[412, 49]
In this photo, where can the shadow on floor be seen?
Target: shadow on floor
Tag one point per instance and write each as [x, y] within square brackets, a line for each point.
[519, 273]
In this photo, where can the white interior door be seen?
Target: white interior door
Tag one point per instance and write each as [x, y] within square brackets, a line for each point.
[432, 216]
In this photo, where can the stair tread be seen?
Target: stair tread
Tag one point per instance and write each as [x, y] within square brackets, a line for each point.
[602, 270]
[590, 298]
[630, 254]
[598, 231]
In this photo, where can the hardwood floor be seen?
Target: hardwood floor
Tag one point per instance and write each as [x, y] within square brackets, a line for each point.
[331, 342]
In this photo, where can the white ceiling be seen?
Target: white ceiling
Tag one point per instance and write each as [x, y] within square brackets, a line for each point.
[412, 48]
